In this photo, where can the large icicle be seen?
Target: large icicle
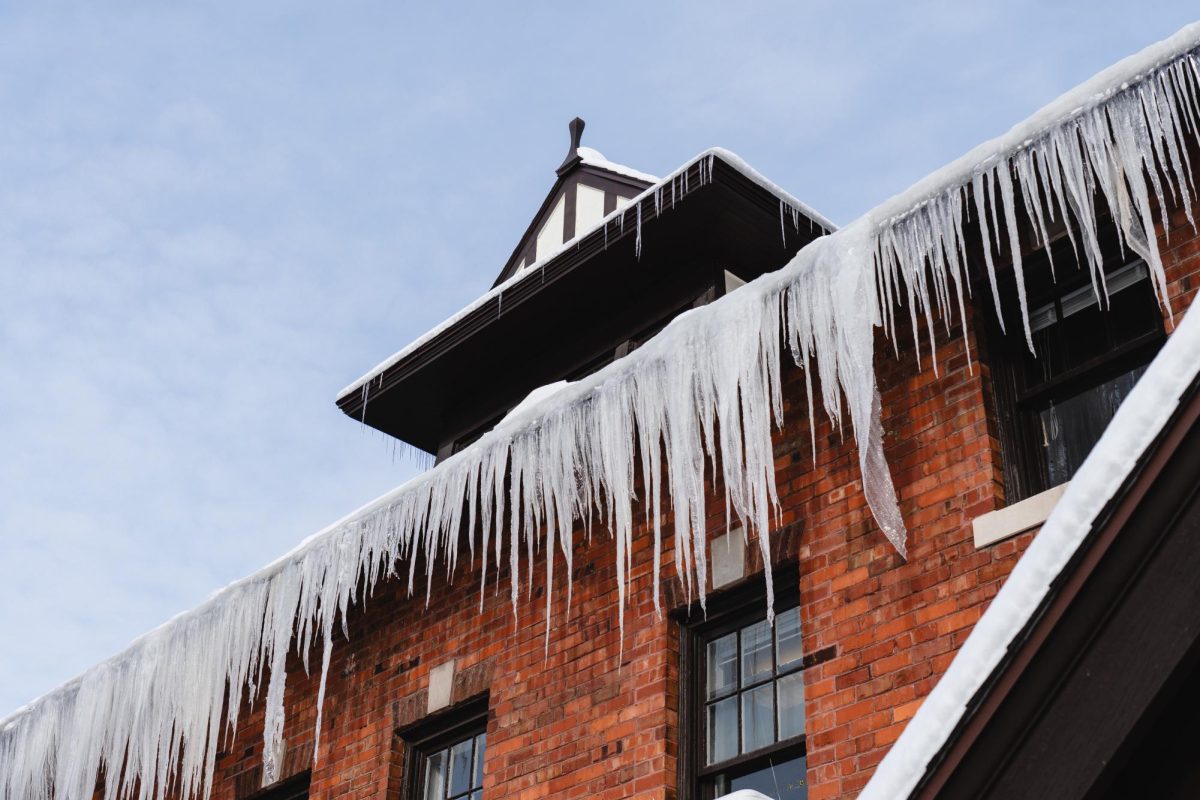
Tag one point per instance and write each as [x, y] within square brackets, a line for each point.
[700, 396]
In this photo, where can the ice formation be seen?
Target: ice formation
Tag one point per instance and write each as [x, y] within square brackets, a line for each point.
[699, 399]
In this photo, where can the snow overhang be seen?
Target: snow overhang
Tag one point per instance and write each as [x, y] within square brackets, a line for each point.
[652, 257]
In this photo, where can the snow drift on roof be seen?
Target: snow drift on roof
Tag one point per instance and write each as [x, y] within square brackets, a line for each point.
[696, 402]
[594, 158]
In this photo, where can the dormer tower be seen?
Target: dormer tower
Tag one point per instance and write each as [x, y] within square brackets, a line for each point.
[610, 257]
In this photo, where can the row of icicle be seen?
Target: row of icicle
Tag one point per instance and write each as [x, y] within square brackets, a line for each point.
[700, 398]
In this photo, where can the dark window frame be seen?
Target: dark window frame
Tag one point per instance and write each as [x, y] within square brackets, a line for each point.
[728, 611]
[1017, 404]
[293, 787]
[437, 732]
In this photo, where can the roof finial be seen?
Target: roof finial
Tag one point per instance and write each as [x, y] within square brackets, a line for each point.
[576, 128]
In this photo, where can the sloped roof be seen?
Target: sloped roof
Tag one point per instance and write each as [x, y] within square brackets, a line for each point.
[1104, 475]
[663, 189]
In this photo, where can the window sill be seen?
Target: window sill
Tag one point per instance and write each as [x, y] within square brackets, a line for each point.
[998, 525]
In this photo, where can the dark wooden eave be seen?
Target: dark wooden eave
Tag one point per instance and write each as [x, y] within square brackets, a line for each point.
[1088, 700]
[579, 304]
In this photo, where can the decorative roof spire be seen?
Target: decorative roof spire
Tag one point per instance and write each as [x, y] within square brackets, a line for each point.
[576, 128]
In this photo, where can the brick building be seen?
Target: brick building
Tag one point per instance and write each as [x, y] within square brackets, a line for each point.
[460, 679]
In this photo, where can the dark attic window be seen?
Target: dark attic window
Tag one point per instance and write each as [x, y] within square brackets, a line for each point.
[1053, 404]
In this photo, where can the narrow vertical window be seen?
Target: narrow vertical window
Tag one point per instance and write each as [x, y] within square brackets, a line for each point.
[746, 681]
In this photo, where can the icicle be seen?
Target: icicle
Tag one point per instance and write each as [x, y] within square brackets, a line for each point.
[637, 243]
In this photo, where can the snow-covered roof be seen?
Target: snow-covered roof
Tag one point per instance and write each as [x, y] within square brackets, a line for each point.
[594, 158]
[1136, 425]
[616, 218]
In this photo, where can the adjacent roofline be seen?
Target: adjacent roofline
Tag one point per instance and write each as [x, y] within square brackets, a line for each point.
[728, 158]
[1106, 476]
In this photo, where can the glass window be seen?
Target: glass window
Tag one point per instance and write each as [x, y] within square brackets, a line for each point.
[1054, 403]
[752, 699]
[446, 755]
[455, 772]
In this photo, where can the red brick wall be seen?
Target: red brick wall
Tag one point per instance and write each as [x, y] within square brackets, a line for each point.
[583, 716]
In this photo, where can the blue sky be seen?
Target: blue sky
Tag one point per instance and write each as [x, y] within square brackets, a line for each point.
[213, 217]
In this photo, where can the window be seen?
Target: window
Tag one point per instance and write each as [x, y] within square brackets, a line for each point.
[292, 788]
[743, 702]
[445, 755]
[1055, 403]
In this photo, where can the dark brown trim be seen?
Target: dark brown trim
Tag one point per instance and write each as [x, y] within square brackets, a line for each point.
[610, 202]
[570, 202]
[527, 241]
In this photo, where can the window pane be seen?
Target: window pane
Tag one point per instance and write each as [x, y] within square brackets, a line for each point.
[788, 649]
[480, 742]
[1083, 334]
[757, 652]
[435, 776]
[1134, 312]
[758, 718]
[461, 767]
[722, 666]
[1070, 428]
[791, 705]
[722, 730]
[784, 781]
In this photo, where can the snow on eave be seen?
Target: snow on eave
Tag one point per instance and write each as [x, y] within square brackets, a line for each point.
[728, 157]
[1073, 103]
[594, 158]
[1137, 424]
